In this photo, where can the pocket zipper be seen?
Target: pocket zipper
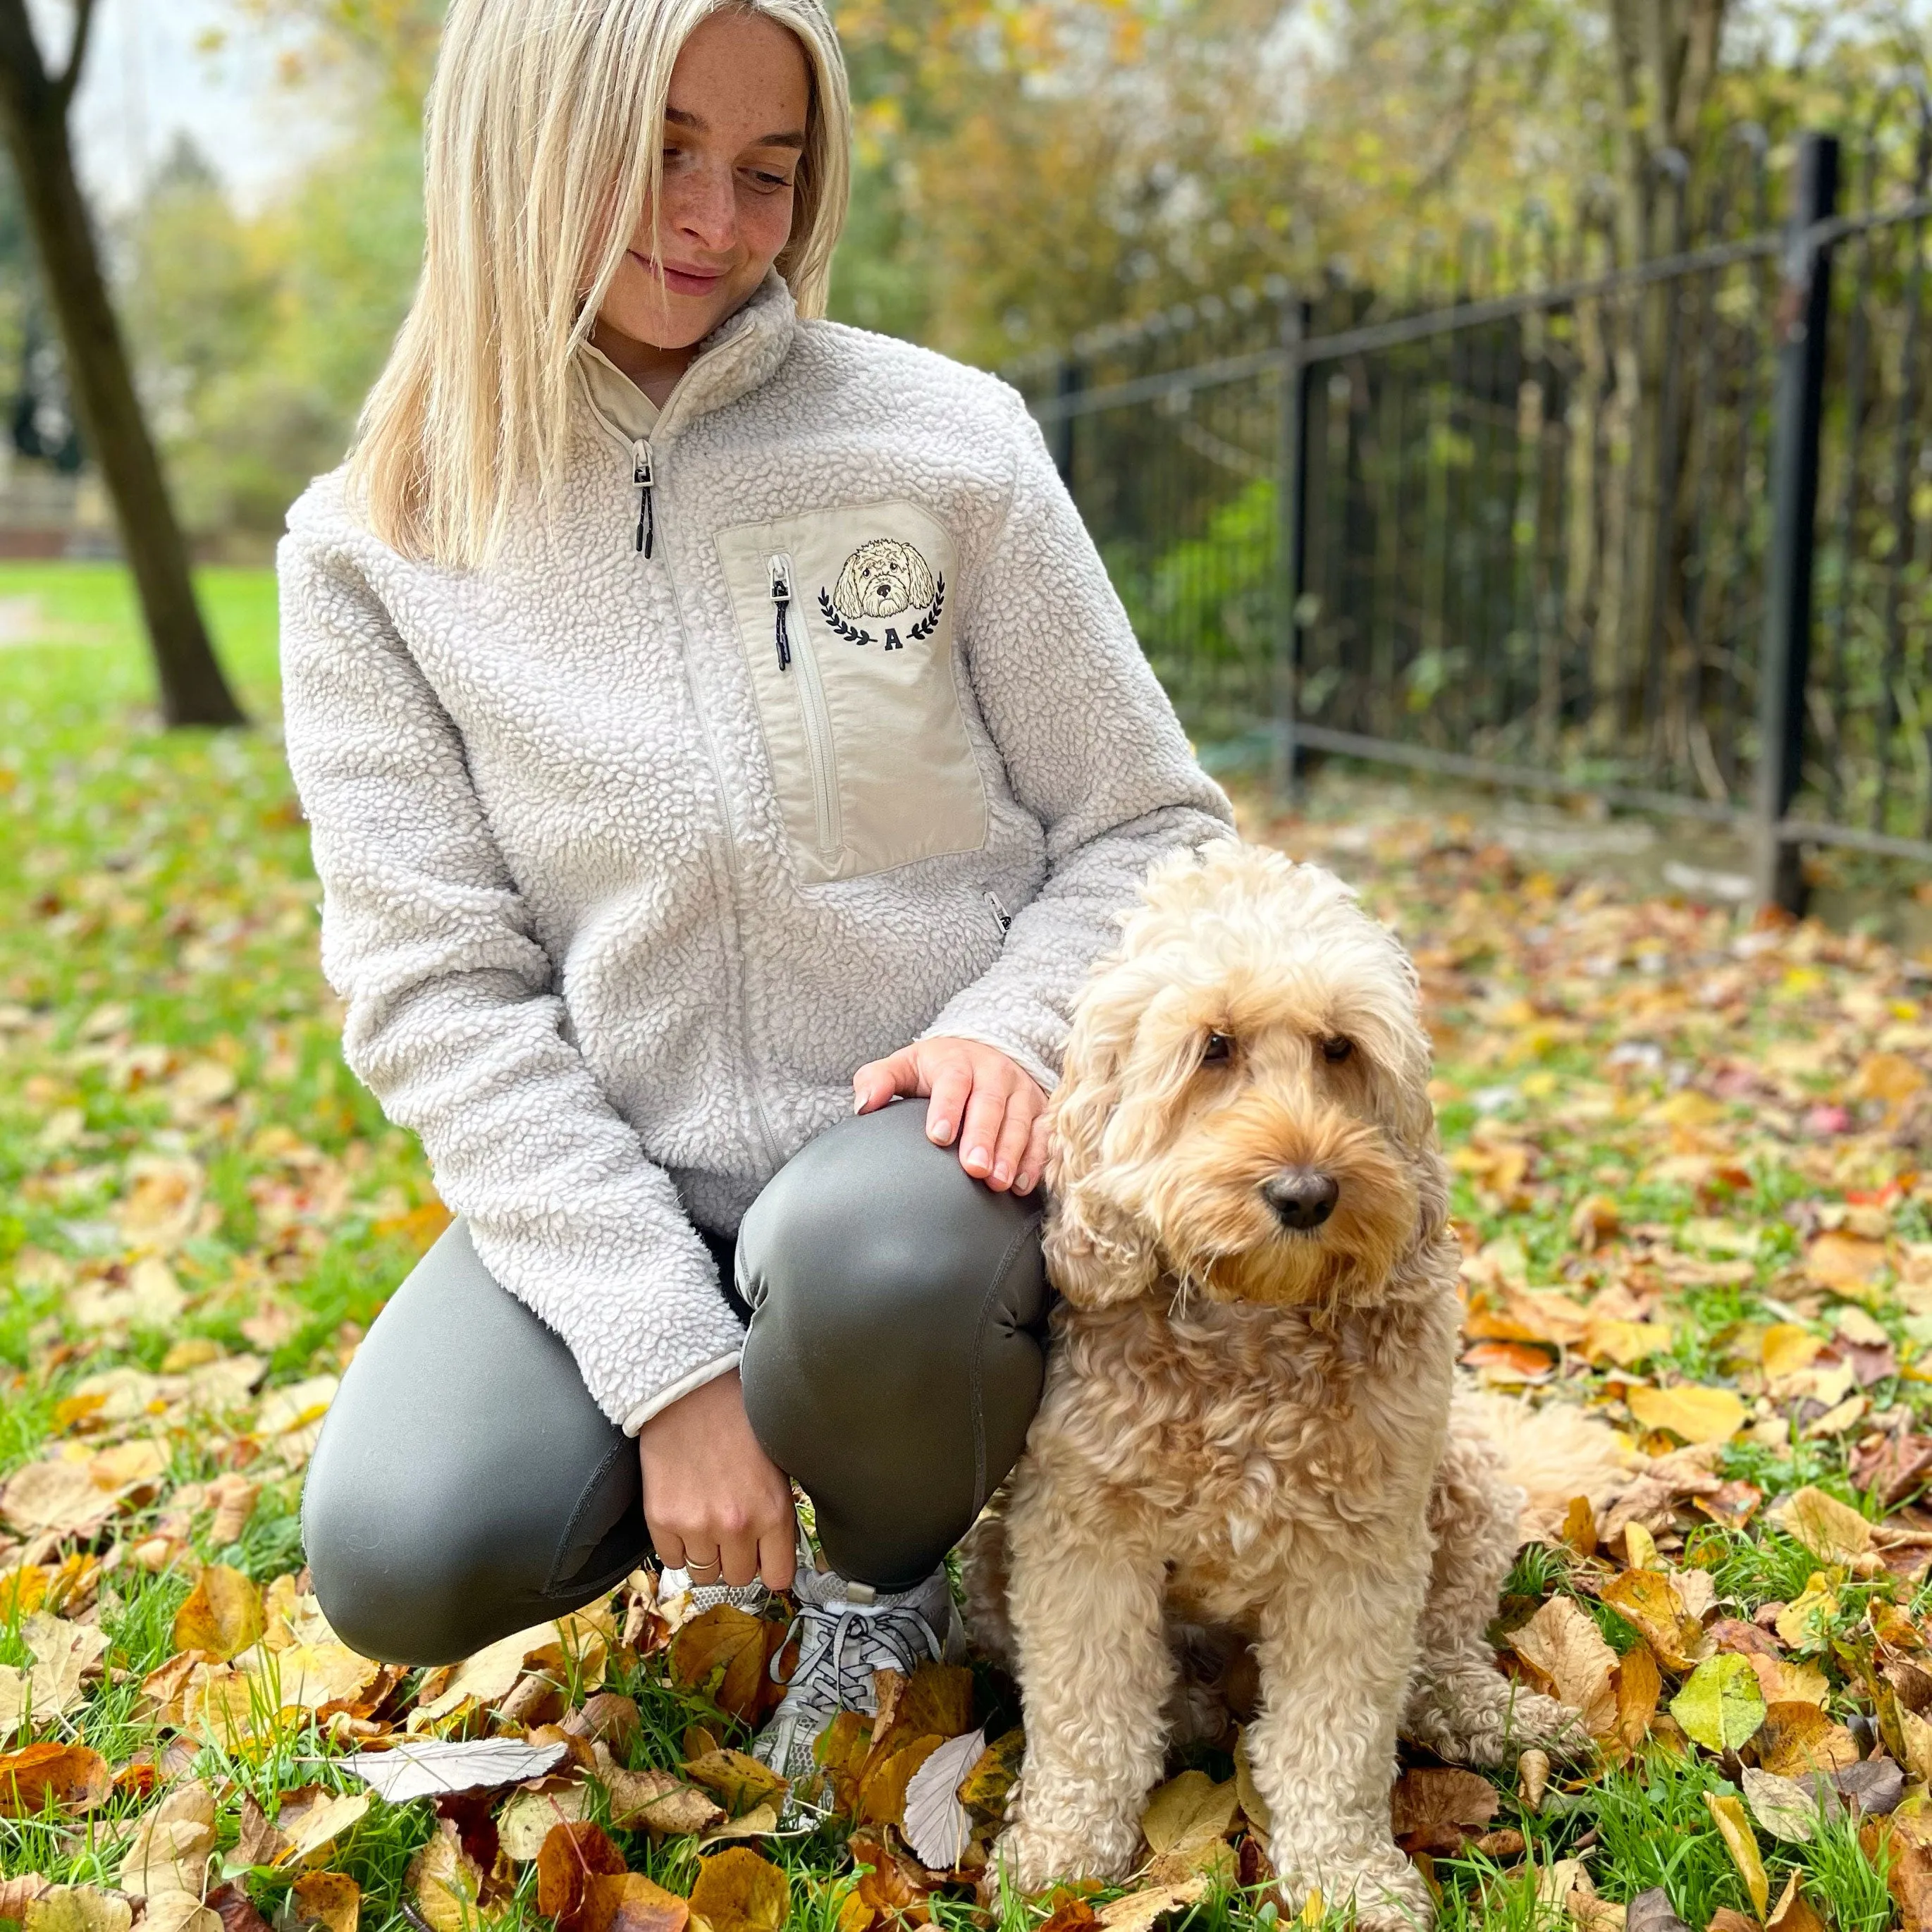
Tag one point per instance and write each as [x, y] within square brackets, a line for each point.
[817, 720]
[640, 475]
[780, 568]
[999, 912]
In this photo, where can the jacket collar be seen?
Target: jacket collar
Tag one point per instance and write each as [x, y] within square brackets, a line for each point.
[744, 350]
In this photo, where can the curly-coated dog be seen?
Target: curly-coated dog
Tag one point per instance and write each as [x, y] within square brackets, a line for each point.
[1247, 1420]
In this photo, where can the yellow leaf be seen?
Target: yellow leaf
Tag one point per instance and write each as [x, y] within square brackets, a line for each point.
[738, 1891]
[1847, 1263]
[1805, 1623]
[1833, 1531]
[1625, 1343]
[1648, 1599]
[1187, 1812]
[1734, 1827]
[331, 1900]
[1798, 1739]
[223, 1615]
[1787, 1348]
[1697, 1414]
[1721, 1706]
[1567, 1653]
[445, 1882]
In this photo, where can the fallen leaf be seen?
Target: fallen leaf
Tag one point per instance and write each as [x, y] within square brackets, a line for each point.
[725, 1653]
[985, 1788]
[313, 1819]
[660, 1801]
[172, 1845]
[524, 1825]
[1876, 1786]
[1791, 1913]
[1847, 1263]
[937, 1825]
[1650, 1912]
[1648, 1599]
[882, 1789]
[737, 1890]
[1727, 1813]
[1782, 1806]
[1805, 1623]
[331, 1900]
[1639, 1686]
[1697, 1414]
[936, 1701]
[76, 1779]
[179, 1911]
[1138, 1910]
[77, 1908]
[1434, 1811]
[444, 1882]
[1567, 1654]
[630, 1902]
[1833, 1531]
[1786, 1349]
[1187, 1811]
[1532, 1777]
[738, 1781]
[1721, 1706]
[572, 1854]
[425, 1767]
[760, 1822]
[1797, 1738]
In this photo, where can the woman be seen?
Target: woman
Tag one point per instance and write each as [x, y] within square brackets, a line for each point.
[713, 721]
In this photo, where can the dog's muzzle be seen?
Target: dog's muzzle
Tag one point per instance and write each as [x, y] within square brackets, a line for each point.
[1300, 1197]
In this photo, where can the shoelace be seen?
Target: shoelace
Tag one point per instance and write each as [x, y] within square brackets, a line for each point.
[886, 1634]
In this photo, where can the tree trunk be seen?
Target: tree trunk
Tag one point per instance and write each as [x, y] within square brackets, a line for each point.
[33, 110]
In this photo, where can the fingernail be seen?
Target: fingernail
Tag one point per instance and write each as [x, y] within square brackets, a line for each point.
[939, 1130]
[978, 1157]
[1024, 1185]
[1003, 1173]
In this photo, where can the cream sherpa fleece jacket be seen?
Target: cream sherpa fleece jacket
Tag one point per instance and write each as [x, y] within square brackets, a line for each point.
[635, 845]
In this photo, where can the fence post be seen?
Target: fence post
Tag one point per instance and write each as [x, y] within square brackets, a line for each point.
[1291, 541]
[1803, 319]
[1071, 378]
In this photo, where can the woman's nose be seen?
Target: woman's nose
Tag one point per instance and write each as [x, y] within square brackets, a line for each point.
[703, 205]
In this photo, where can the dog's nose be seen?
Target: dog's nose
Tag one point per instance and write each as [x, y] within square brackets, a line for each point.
[1300, 1197]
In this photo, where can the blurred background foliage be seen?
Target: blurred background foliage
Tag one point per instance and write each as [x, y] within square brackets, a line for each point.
[1026, 169]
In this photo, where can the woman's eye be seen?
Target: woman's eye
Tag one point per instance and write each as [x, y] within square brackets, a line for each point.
[1219, 1047]
[771, 181]
[1337, 1048]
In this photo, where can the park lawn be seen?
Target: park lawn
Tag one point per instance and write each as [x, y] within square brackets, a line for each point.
[1688, 1156]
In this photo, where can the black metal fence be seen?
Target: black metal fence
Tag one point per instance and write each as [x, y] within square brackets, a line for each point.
[1660, 530]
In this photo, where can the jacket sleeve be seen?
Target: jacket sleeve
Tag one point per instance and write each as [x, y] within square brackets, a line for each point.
[1091, 747]
[453, 1021]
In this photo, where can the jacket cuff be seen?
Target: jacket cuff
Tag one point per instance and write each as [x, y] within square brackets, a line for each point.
[653, 1404]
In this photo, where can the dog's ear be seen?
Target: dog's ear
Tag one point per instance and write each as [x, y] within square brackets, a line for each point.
[1096, 1252]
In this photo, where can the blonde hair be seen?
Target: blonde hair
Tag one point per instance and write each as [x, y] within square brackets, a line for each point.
[544, 148]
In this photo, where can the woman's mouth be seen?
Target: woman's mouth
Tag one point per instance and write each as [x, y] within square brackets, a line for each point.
[682, 281]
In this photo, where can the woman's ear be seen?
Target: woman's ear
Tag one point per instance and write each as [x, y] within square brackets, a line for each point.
[1096, 1252]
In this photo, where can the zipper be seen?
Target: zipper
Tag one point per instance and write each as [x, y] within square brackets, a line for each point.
[812, 708]
[640, 475]
[999, 912]
[780, 568]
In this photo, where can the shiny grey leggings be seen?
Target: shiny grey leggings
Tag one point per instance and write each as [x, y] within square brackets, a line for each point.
[465, 1485]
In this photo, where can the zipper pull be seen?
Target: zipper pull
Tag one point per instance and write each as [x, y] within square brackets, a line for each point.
[999, 912]
[780, 568]
[640, 475]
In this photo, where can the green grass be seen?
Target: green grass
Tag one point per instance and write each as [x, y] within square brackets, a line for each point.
[162, 902]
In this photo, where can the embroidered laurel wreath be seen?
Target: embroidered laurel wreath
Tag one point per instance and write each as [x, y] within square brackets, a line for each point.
[853, 635]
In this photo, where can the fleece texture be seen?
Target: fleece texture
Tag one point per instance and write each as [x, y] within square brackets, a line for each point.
[594, 947]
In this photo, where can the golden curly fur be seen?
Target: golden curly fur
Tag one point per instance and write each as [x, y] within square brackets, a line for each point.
[1247, 1427]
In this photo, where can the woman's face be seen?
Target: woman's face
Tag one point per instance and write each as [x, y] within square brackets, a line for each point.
[734, 130]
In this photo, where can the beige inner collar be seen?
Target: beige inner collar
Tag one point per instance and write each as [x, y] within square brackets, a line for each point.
[627, 407]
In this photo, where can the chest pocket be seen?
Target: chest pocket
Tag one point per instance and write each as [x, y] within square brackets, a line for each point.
[846, 617]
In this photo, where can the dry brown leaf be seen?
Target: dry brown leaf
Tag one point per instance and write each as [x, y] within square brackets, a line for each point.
[726, 1654]
[524, 1825]
[331, 1900]
[1639, 1686]
[74, 1777]
[1797, 1738]
[172, 1845]
[737, 1890]
[936, 1701]
[659, 1801]
[78, 1908]
[1435, 1810]
[882, 1787]
[630, 1902]
[444, 1882]
[314, 1818]
[1791, 1913]
[1138, 1910]
[1567, 1653]
[572, 1855]
[1849, 1264]
[1648, 1599]
[738, 1781]
[1833, 1531]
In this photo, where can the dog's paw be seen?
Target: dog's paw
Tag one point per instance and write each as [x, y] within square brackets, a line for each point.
[1387, 1891]
[1028, 1856]
[1481, 1717]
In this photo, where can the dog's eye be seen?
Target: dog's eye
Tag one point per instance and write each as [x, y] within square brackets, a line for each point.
[1219, 1047]
[1337, 1048]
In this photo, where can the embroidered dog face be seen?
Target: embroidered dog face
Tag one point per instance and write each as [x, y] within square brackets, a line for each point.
[1243, 1105]
[881, 578]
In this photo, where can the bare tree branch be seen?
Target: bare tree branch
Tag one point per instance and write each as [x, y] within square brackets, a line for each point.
[68, 79]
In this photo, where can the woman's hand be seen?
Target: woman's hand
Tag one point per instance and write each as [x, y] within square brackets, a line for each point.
[712, 1496]
[996, 1107]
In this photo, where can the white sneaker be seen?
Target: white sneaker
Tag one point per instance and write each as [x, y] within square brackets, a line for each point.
[845, 1633]
[751, 1597]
